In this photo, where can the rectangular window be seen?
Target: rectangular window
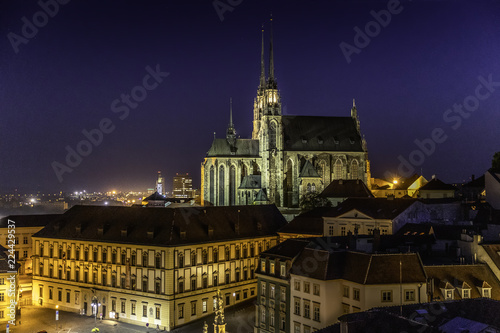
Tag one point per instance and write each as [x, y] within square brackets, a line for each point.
[77, 297]
[355, 294]
[283, 294]
[2, 297]
[1, 314]
[486, 292]
[346, 292]
[271, 268]
[68, 296]
[330, 230]
[448, 294]
[271, 318]
[316, 312]
[204, 305]
[132, 308]
[123, 307]
[386, 296]
[273, 292]
[41, 291]
[307, 309]
[307, 286]
[342, 231]
[144, 310]
[59, 295]
[409, 295]
[263, 316]
[296, 328]
[282, 269]
[193, 308]
[263, 265]
[157, 312]
[181, 311]
[51, 291]
[345, 308]
[466, 293]
[263, 288]
[25, 240]
[316, 289]
[25, 254]
[297, 285]
[296, 307]
[2, 281]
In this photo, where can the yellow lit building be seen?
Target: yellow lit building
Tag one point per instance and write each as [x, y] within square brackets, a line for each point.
[9, 289]
[156, 266]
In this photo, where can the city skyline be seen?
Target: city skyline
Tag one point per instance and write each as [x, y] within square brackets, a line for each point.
[409, 71]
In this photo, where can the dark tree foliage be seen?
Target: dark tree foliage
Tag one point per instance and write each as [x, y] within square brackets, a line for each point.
[312, 200]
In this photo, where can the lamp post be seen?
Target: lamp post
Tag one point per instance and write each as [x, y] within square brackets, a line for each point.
[95, 307]
[57, 314]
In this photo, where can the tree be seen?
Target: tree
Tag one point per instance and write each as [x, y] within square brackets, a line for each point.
[312, 200]
[495, 163]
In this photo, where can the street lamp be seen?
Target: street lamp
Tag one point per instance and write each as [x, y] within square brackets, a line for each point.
[95, 307]
[57, 314]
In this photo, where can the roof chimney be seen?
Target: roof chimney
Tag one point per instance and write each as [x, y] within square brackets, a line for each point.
[434, 176]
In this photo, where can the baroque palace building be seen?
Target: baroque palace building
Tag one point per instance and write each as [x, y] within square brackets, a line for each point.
[286, 157]
[145, 265]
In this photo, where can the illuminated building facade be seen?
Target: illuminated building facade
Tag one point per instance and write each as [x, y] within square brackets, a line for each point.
[286, 157]
[160, 184]
[150, 265]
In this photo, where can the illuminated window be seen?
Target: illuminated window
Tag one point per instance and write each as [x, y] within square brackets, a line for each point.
[337, 169]
[354, 169]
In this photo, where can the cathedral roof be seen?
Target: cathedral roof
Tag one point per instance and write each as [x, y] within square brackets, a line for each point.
[309, 171]
[312, 133]
[261, 196]
[250, 182]
[242, 148]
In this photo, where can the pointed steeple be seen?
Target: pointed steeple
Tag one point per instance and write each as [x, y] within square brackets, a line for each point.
[271, 54]
[262, 66]
[231, 133]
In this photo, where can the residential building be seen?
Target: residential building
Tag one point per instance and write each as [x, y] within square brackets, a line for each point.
[398, 188]
[149, 265]
[273, 282]
[360, 216]
[287, 156]
[344, 282]
[459, 282]
[25, 227]
[436, 189]
[183, 186]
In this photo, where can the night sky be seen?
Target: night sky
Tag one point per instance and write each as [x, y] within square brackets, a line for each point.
[65, 78]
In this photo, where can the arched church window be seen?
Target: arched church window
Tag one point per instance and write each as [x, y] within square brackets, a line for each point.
[313, 187]
[212, 185]
[354, 169]
[232, 185]
[308, 187]
[337, 169]
[220, 194]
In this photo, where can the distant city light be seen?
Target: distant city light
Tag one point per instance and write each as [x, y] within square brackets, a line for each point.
[105, 202]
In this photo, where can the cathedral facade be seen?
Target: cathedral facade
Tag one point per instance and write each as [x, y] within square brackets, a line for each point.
[287, 156]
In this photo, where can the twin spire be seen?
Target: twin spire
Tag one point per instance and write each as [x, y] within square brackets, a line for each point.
[271, 80]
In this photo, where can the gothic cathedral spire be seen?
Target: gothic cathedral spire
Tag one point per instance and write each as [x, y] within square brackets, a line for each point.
[231, 133]
[262, 66]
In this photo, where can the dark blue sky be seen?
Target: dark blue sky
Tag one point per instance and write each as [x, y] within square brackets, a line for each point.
[65, 78]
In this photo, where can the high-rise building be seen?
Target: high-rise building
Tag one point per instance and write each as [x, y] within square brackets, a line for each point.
[160, 184]
[183, 186]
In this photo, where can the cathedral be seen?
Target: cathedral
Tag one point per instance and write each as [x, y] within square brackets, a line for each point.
[287, 156]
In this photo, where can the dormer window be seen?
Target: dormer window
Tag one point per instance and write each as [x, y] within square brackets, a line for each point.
[486, 292]
[263, 265]
[320, 140]
[484, 289]
[465, 293]
[336, 140]
[283, 269]
[271, 267]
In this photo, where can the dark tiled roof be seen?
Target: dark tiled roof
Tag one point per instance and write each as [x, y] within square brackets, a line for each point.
[166, 226]
[358, 267]
[303, 224]
[478, 182]
[243, 148]
[250, 182]
[437, 185]
[493, 251]
[439, 231]
[156, 197]
[261, 196]
[28, 220]
[352, 188]
[288, 249]
[473, 275]
[308, 171]
[378, 208]
[310, 133]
